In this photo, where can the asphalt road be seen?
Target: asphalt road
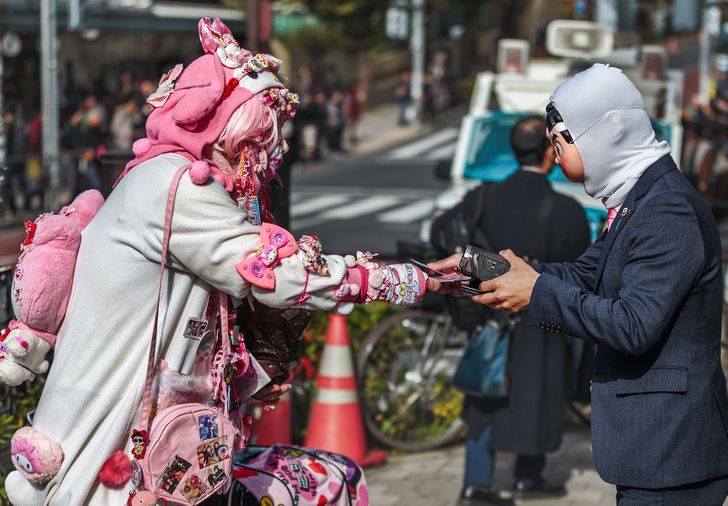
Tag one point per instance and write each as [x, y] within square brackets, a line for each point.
[371, 203]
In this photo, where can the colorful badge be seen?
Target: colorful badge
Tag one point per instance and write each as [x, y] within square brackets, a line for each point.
[195, 328]
[137, 478]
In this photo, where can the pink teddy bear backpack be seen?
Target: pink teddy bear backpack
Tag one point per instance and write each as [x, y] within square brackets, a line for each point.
[41, 290]
[42, 287]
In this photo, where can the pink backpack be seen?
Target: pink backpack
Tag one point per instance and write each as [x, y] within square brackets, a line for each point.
[42, 284]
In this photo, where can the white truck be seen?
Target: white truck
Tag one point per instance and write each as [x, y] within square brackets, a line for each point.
[522, 86]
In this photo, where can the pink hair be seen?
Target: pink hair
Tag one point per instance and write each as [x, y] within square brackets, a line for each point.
[253, 121]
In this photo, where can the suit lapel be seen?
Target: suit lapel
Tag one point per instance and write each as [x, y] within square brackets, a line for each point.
[652, 174]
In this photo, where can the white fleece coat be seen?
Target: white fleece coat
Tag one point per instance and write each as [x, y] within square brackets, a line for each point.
[93, 392]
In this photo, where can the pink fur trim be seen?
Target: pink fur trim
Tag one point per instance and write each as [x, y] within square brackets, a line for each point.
[116, 471]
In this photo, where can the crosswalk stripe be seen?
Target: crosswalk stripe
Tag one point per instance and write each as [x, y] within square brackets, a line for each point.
[317, 204]
[442, 153]
[418, 147]
[360, 208]
[407, 214]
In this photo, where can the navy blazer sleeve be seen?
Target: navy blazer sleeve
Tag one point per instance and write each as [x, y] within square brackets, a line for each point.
[665, 257]
[581, 272]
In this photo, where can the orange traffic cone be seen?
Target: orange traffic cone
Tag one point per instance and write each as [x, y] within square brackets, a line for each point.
[272, 427]
[335, 424]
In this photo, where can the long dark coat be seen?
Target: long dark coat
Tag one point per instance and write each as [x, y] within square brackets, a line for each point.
[530, 421]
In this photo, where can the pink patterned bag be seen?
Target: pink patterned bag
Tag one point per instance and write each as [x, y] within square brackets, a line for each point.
[287, 475]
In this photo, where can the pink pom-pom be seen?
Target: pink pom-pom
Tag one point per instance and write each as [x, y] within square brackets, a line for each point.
[141, 147]
[199, 172]
[116, 471]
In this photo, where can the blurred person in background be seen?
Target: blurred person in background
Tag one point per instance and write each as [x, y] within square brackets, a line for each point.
[15, 145]
[354, 109]
[89, 130]
[124, 124]
[526, 213]
[404, 98]
[335, 123]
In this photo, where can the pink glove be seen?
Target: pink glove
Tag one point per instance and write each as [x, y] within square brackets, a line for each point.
[400, 284]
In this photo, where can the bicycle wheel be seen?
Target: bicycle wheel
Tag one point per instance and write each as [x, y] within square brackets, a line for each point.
[405, 367]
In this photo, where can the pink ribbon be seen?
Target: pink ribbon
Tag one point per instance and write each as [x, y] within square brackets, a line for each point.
[276, 244]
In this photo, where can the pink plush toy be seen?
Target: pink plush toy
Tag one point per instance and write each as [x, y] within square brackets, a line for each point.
[145, 498]
[42, 287]
[37, 457]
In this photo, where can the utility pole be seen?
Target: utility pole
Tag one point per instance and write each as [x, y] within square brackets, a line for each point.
[260, 25]
[417, 45]
[3, 147]
[49, 96]
[253, 13]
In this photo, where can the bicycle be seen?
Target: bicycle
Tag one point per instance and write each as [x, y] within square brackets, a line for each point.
[405, 367]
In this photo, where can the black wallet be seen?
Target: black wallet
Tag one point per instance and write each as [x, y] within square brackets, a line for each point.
[481, 264]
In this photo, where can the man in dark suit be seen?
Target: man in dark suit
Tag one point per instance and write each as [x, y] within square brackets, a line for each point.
[523, 212]
[648, 292]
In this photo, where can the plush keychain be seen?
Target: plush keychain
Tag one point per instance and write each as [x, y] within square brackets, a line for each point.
[37, 457]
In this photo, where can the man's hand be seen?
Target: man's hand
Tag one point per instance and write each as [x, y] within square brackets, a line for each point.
[510, 292]
[446, 266]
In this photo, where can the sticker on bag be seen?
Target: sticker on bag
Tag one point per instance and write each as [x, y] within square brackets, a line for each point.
[213, 452]
[173, 474]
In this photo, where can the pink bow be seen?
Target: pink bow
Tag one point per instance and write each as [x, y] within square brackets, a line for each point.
[276, 244]
[216, 38]
[165, 88]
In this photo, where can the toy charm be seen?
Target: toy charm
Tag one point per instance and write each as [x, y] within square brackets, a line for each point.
[140, 439]
[36, 456]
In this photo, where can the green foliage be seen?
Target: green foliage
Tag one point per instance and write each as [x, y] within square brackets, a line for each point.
[350, 24]
[17, 402]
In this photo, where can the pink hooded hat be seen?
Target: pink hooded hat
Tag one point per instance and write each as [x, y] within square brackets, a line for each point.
[193, 105]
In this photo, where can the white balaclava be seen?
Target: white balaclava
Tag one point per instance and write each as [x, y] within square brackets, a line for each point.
[606, 116]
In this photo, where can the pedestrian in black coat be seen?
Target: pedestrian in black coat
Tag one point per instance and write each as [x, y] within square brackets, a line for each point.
[526, 214]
